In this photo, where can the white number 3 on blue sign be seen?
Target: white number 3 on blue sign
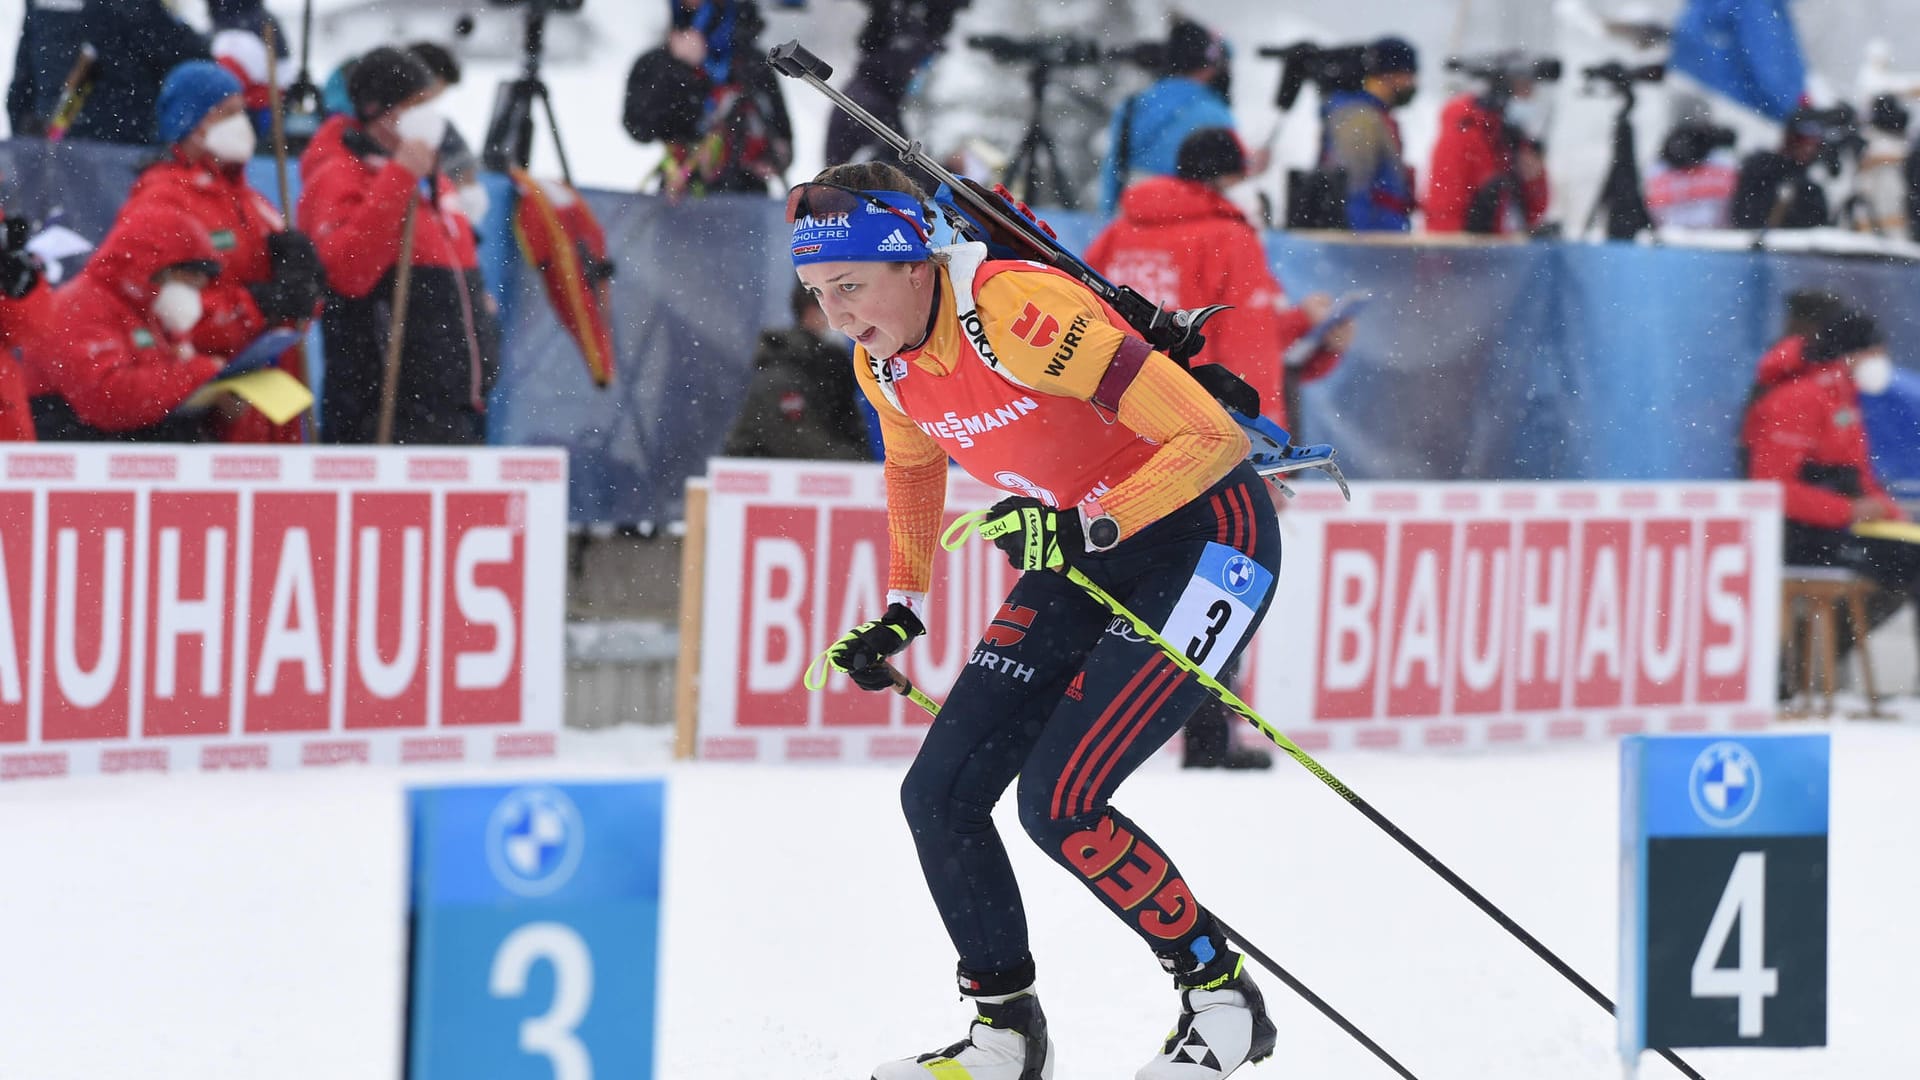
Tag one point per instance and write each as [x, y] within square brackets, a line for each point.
[1217, 608]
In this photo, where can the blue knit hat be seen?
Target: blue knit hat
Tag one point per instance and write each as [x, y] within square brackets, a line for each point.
[191, 91]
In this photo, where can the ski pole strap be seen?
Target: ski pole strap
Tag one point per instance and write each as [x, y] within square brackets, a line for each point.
[957, 533]
[815, 678]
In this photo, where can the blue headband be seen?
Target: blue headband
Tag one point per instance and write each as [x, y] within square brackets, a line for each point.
[868, 234]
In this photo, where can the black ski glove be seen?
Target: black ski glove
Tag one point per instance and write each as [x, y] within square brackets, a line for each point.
[297, 280]
[863, 652]
[1033, 535]
[19, 269]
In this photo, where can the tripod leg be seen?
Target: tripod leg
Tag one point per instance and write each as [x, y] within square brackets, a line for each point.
[1055, 176]
[1024, 168]
[553, 125]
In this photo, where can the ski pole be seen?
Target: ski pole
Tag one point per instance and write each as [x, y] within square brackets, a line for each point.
[815, 678]
[1310, 997]
[397, 325]
[904, 686]
[956, 535]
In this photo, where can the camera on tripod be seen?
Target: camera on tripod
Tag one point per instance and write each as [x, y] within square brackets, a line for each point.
[510, 132]
[1621, 77]
[1060, 51]
[1342, 67]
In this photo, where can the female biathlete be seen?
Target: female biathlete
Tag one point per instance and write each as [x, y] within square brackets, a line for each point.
[1120, 466]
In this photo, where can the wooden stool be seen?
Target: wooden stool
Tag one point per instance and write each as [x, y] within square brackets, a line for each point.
[1817, 592]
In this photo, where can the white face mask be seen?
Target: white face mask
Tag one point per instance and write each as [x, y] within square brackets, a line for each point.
[1873, 373]
[422, 123]
[177, 307]
[231, 140]
[1527, 114]
[475, 202]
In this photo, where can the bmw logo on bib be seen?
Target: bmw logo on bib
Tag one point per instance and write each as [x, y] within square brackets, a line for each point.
[1238, 575]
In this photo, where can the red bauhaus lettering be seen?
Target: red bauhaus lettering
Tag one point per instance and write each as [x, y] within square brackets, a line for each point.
[1423, 574]
[1667, 597]
[16, 597]
[1350, 620]
[1726, 609]
[85, 677]
[775, 636]
[1601, 617]
[291, 611]
[1540, 619]
[1485, 616]
[483, 608]
[190, 586]
[387, 556]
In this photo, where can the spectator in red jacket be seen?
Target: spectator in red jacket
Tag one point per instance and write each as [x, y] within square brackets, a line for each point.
[116, 347]
[269, 277]
[24, 300]
[361, 173]
[1805, 432]
[1487, 176]
[1182, 244]
[1807, 311]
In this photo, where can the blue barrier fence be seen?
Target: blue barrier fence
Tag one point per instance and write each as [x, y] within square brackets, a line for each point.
[1553, 361]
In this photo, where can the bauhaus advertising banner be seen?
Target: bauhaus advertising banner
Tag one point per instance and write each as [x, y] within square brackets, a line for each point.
[199, 608]
[1418, 615]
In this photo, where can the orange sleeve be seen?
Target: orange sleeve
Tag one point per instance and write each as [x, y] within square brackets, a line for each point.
[1199, 444]
[916, 475]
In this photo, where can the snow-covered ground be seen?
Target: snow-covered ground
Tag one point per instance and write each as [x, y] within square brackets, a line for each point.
[201, 928]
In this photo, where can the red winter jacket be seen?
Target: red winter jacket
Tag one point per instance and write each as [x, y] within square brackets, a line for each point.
[353, 206]
[1806, 433]
[239, 219]
[101, 347]
[18, 320]
[1783, 361]
[1182, 244]
[1471, 152]
[352, 201]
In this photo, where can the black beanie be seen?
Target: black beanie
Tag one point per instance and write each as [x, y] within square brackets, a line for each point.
[384, 78]
[1210, 153]
[1191, 47]
[1847, 333]
[1813, 307]
[1389, 56]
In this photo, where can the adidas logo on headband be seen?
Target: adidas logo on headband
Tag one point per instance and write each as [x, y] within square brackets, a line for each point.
[895, 242]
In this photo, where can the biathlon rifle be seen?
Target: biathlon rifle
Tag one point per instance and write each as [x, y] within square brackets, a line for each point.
[979, 214]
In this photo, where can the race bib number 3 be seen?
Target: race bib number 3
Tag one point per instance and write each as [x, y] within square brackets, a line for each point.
[1217, 608]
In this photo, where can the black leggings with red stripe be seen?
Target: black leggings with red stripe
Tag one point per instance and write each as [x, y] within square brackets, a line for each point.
[1072, 701]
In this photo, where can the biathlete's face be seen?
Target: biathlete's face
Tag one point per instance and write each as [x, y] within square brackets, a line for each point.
[883, 306]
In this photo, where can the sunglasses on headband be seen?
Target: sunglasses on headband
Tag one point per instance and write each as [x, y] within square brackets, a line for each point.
[816, 199]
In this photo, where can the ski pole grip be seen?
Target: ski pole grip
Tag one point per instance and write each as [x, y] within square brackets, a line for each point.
[795, 62]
